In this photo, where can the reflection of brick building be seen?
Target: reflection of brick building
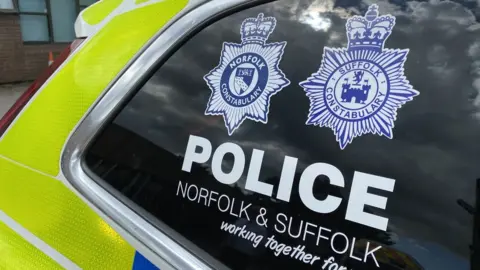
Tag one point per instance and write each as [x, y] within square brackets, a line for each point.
[29, 30]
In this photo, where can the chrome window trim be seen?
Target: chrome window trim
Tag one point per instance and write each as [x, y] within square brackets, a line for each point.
[154, 239]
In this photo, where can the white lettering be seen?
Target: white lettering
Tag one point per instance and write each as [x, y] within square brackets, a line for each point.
[195, 193]
[199, 150]
[220, 203]
[182, 189]
[237, 166]
[198, 157]
[371, 253]
[307, 180]
[286, 178]
[359, 197]
[252, 183]
[280, 222]
[333, 240]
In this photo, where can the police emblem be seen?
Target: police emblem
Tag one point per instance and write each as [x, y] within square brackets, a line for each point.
[247, 76]
[358, 90]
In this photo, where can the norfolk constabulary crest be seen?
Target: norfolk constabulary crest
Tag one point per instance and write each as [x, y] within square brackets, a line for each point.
[358, 90]
[247, 76]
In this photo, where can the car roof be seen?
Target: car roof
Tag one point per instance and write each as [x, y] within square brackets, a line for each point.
[97, 15]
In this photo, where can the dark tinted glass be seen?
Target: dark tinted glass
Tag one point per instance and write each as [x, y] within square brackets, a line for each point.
[433, 157]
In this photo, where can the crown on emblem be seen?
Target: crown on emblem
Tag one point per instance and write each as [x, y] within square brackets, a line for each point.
[257, 29]
[369, 32]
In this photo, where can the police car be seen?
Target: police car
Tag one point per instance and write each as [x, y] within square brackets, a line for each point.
[248, 134]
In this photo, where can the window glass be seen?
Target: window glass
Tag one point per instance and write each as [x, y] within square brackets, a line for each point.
[87, 2]
[63, 20]
[34, 27]
[32, 6]
[271, 191]
[6, 4]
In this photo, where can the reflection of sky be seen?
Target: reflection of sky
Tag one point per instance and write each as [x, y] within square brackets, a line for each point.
[316, 20]
[436, 135]
[432, 256]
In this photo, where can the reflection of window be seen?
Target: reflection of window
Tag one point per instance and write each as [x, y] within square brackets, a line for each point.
[63, 15]
[82, 4]
[49, 20]
[6, 5]
[34, 19]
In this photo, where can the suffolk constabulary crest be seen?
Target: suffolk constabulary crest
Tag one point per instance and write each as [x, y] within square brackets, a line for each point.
[247, 76]
[358, 90]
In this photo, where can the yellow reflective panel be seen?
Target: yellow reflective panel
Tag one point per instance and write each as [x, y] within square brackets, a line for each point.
[37, 137]
[141, 1]
[53, 213]
[17, 253]
[98, 12]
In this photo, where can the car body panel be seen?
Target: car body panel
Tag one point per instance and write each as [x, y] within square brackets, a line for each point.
[49, 210]
[99, 11]
[18, 253]
[30, 150]
[414, 200]
[161, 244]
[63, 101]
[63, 217]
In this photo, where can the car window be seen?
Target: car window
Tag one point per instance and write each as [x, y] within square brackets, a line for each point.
[310, 135]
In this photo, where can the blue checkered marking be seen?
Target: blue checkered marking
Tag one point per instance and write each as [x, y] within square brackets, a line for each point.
[142, 263]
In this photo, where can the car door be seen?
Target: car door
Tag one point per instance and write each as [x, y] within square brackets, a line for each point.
[293, 134]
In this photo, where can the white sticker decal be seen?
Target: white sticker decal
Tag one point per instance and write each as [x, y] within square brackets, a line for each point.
[199, 150]
[359, 89]
[254, 228]
[247, 76]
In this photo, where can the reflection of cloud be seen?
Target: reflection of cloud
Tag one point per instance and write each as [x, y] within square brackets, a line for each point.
[438, 56]
[445, 14]
[474, 52]
[159, 91]
[316, 20]
[384, 7]
[316, 13]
